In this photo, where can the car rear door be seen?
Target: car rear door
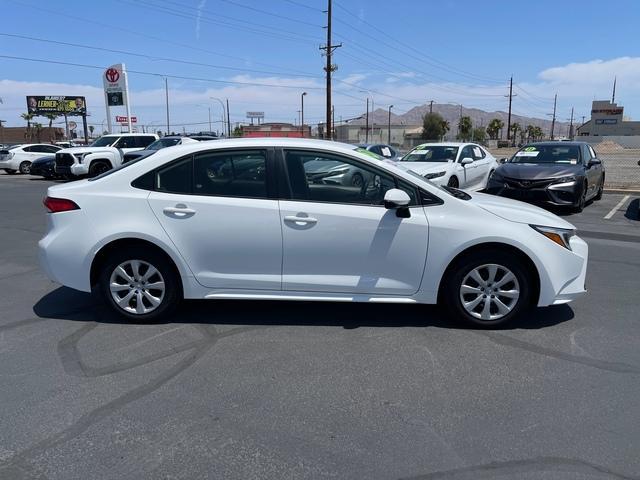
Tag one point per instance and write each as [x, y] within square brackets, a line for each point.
[220, 210]
[339, 238]
[482, 165]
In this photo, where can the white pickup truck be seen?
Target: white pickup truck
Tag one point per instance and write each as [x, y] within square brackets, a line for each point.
[104, 154]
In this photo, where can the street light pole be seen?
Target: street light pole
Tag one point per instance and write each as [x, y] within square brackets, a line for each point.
[366, 131]
[389, 126]
[166, 93]
[209, 108]
[224, 115]
[302, 113]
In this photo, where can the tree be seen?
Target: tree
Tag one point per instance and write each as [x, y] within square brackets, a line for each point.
[91, 129]
[515, 128]
[479, 135]
[434, 126]
[537, 133]
[530, 132]
[494, 127]
[237, 132]
[464, 128]
[51, 117]
[28, 117]
[38, 128]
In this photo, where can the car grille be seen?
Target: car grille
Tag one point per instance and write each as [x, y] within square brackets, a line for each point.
[527, 184]
[64, 159]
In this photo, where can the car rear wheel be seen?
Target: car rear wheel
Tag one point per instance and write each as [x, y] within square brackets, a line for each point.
[486, 288]
[600, 189]
[139, 285]
[25, 168]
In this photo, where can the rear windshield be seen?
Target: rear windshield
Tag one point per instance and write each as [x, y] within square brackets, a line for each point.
[163, 143]
[557, 154]
[113, 170]
[431, 154]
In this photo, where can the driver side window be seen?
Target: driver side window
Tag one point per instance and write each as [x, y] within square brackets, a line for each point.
[320, 177]
[467, 152]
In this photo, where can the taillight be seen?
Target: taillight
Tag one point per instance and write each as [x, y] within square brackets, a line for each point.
[55, 205]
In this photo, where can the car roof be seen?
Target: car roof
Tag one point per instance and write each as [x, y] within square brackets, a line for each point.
[555, 142]
[131, 135]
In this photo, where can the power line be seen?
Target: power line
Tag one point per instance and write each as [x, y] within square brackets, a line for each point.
[167, 75]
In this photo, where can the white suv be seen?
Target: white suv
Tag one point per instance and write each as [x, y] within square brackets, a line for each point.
[102, 155]
[19, 158]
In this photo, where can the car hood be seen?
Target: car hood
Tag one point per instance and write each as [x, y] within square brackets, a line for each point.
[537, 171]
[518, 212]
[422, 168]
[81, 150]
[42, 160]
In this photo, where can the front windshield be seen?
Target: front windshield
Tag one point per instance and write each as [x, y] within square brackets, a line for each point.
[163, 143]
[105, 141]
[551, 154]
[369, 153]
[427, 153]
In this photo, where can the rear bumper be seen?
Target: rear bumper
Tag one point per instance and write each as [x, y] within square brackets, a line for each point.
[8, 164]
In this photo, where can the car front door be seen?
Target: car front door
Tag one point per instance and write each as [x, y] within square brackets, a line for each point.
[466, 173]
[220, 211]
[338, 237]
[481, 166]
[593, 170]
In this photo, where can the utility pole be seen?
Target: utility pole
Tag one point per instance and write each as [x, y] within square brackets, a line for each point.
[389, 126]
[430, 106]
[228, 121]
[511, 95]
[571, 125]
[553, 118]
[366, 130]
[329, 48]
[166, 93]
[613, 95]
[302, 113]
[333, 118]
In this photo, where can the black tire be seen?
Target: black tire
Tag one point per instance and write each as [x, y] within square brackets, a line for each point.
[172, 287]
[98, 167]
[453, 182]
[450, 292]
[582, 200]
[25, 168]
[600, 190]
[9, 171]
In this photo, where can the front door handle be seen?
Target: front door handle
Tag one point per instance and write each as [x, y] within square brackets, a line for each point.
[296, 219]
[180, 210]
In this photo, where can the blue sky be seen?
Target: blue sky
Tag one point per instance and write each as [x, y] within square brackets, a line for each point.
[402, 53]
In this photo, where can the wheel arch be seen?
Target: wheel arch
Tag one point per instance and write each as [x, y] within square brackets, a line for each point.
[102, 255]
[502, 247]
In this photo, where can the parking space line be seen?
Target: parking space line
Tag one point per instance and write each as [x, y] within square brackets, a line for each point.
[616, 208]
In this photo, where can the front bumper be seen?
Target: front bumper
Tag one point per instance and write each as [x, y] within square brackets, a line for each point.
[575, 287]
[538, 192]
[76, 169]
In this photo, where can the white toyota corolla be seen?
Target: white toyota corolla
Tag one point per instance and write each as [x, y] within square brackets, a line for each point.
[243, 219]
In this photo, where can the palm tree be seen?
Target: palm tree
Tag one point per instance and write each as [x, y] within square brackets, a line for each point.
[445, 127]
[494, 127]
[515, 128]
[51, 117]
[38, 128]
[91, 129]
[537, 133]
[28, 117]
[464, 128]
[530, 131]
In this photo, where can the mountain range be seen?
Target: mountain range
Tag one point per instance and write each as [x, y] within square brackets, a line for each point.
[452, 113]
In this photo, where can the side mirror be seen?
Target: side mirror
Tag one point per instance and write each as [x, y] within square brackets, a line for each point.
[502, 160]
[594, 161]
[396, 198]
[466, 161]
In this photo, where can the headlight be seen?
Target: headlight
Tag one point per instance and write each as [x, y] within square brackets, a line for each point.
[338, 171]
[430, 176]
[496, 176]
[570, 179]
[81, 156]
[561, 236]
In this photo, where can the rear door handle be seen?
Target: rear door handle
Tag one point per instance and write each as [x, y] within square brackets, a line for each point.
[179, 210]
[294, 218]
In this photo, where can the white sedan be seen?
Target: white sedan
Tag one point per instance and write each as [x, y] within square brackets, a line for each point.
[459, 165]
[19, 158]
[241, 219]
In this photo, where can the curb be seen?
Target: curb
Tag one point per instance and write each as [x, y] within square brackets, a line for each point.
[621, 190]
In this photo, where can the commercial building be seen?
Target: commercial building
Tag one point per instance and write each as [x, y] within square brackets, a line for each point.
[276, 130]
[607, 119]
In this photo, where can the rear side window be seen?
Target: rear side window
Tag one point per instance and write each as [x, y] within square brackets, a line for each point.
[126, 142]
[231, 174]
[478, 153]
[175, 178]
[143, 141]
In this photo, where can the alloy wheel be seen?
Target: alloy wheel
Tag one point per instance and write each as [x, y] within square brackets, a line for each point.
[137, 287]
[489, 292]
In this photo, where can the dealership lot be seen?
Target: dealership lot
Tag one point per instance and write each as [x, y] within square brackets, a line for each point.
[311, 390]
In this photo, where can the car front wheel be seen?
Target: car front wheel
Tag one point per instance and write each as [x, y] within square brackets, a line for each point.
[139, 285]
[486, 289]
[25, 168]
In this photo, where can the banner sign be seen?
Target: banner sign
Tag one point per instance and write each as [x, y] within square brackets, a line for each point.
[40, 105]
[121, 119]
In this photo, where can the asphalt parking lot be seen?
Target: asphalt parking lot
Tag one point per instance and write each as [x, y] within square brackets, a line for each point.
[244, 390]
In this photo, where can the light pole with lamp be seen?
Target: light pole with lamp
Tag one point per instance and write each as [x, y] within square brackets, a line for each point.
[224, 112]
[302, 113]
[389, 126]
